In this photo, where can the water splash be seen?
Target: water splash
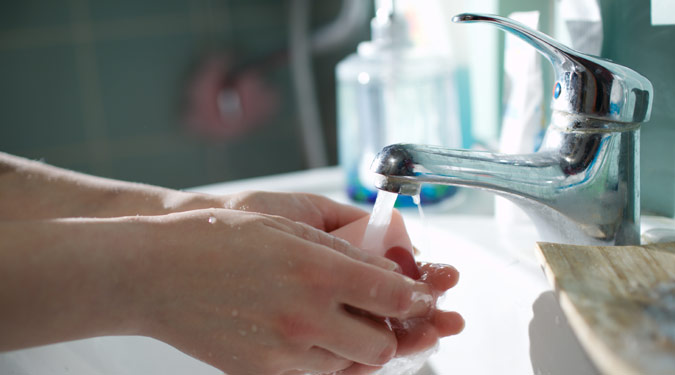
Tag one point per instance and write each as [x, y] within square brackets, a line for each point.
[379, 220]
[408, 365]
[425, 239]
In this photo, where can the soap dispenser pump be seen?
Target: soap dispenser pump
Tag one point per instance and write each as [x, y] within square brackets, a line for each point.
[392, 91]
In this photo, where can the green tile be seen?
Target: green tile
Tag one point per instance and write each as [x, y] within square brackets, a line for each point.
[630, 40]
[27, 14]
[119, 9]
[39, 98]
[181, 168]
[142, 82]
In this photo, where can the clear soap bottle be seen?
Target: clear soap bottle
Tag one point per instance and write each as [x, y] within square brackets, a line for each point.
[390, 91]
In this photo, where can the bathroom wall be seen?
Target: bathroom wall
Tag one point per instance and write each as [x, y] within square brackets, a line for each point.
[630, 39]
[100, 86]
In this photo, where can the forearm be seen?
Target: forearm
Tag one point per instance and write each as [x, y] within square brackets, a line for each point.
[34, 190]
[66, 279]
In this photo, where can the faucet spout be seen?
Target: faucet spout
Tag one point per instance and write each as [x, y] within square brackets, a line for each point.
[579, 188]
[583, 185]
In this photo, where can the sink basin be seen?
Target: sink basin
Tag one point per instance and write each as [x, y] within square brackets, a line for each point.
[513, 322]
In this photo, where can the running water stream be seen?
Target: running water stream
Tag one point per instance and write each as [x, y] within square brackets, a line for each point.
[373, 240]
[379, 221]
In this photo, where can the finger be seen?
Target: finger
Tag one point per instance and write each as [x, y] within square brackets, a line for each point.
[441, 277]
[319, 360]
[447, 323]
[359, 339]
[320, 237]
[383, 293]
[359, 369]
[405, 260]
[335, 215]
[414, 336]
[353, 252]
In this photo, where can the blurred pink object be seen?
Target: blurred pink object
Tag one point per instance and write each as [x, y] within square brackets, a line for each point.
[396, 244]
[396, 235]
[225, 107]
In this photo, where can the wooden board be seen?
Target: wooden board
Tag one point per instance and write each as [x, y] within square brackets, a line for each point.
[620, 302]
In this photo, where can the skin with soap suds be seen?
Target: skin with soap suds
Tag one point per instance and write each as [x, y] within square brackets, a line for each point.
[84, 256]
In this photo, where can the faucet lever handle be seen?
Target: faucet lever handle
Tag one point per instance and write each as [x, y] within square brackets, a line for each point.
[585, 85]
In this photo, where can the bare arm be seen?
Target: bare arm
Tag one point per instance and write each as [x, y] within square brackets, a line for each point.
[197, 284]
[34, 190]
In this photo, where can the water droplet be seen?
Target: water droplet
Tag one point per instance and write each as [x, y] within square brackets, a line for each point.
[235, 357]
[210, 354]
[254, 328]
[373, 291]
[242, 332]
[557, 320]
[235, 312]
[212, 220]
[418, 201]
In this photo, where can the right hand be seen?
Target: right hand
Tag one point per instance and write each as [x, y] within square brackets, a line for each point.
[258, 294]
[420, 333]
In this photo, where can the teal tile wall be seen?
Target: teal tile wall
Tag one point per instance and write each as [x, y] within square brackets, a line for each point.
[33, 14]
[140, 81]
[99, 86]
[38, 96]
[631, 40]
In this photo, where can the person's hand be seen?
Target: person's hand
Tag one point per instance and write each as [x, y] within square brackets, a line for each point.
[260, 294]
[419, 333]
[318, 211]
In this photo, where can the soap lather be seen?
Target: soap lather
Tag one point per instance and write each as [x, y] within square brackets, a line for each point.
[582, 185]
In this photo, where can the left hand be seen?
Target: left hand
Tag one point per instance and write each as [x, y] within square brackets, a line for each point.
[315, 210]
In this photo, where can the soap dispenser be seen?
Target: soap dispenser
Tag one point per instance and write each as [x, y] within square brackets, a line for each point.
[391, 91]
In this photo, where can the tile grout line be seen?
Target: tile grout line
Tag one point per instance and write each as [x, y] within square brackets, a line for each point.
[93, 113]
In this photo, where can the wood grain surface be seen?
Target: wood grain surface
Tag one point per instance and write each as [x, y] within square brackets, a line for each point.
[620, 302]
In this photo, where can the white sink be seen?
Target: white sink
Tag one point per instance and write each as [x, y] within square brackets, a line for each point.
[513, 322]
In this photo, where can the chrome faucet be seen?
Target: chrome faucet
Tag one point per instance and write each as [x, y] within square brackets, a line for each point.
[583, 185]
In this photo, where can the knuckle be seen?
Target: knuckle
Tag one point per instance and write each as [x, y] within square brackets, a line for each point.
[308, 233]
[242, 201]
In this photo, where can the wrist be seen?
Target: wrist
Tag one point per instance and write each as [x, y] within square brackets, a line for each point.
[68, 279]
[181, 201]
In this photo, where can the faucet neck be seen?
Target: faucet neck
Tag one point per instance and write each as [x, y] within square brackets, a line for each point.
[580, 188]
